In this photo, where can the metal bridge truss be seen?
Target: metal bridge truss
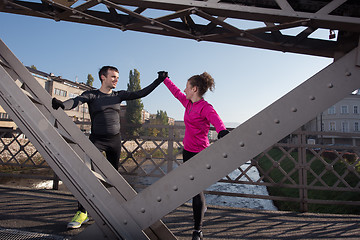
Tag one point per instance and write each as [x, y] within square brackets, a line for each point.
[118, 211]
[217, 21]
[77, 162]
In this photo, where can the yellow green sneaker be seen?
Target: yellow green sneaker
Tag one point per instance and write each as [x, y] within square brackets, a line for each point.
[78, 219]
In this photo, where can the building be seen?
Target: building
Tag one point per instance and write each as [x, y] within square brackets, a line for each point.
[171, 121]
[64, 89]
[60, 88]
[145, 116]
[342, 117]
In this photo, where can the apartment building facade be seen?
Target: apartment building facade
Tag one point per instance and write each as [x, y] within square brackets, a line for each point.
[60, 88]
[343, 117]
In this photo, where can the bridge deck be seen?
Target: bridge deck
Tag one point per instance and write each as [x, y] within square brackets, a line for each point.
[29, 211]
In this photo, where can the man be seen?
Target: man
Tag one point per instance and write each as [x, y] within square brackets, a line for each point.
[104, 109]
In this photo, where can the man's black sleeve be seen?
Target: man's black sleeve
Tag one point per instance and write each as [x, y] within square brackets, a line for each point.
[143, 92]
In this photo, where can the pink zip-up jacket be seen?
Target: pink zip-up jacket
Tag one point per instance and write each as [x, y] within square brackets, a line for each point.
[198, 117]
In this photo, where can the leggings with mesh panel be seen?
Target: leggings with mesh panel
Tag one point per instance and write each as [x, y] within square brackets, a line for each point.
[198, 202]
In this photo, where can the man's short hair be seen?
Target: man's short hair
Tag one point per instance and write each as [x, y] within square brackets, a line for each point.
[104, 71]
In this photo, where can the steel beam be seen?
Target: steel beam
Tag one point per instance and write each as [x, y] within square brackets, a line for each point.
[119, 212]
[340, 15]
[67, 151]
[248, 140]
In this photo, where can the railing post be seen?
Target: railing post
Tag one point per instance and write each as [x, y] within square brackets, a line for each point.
[303, 194]
[56, 182]
[170, 153]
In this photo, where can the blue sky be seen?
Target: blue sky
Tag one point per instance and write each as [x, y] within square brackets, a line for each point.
[247, 79]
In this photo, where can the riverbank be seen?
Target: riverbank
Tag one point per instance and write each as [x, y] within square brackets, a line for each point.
[32, 183]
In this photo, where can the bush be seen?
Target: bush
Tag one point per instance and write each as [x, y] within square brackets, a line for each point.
[323, 172]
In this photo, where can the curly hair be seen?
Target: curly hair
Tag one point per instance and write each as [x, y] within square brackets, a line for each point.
[203, 81]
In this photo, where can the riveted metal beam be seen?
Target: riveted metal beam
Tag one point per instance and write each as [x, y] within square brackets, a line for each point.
[248, 140]
[340, 15]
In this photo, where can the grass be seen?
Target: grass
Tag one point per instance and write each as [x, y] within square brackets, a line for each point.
[321, 172]
[143, 153]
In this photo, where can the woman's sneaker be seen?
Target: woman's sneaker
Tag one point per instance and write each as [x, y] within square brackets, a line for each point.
[197, 235]
[78, 219]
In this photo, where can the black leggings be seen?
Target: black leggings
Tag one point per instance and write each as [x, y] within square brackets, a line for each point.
[111, 145]
[198, 202]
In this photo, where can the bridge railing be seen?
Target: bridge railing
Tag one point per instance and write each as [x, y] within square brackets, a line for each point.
[293, 170]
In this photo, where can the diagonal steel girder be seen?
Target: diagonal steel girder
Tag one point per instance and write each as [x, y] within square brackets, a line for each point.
[248, 140]
[258, 133]
[215, 21]
[77, 162]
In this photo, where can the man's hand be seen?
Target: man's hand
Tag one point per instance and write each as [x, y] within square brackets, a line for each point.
[162, 75]
[57, 103]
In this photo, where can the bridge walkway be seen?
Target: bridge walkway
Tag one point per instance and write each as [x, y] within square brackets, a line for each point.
[31, 212]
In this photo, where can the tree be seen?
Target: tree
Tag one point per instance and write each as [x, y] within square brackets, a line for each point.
[161, 118]
[90, 80]
[134, 107]
[33, 67]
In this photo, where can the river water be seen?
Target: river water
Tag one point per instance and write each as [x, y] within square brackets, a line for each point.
[241, 202]
[238, 202]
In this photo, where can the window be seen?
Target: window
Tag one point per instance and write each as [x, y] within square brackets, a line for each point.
[331, 110]
[344, 110]
[356, 110]
[73, 95]
[345, 127]
[332, 126]
[356, 127]
[60, 92]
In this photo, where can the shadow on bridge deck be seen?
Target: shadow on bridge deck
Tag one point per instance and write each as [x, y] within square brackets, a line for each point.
[29, 211]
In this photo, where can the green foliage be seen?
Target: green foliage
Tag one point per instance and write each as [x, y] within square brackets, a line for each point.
[33, 67]
[161, 118]
[90, 80]
[278, 176]
[134, 107]
[322, 172]
[141, 154]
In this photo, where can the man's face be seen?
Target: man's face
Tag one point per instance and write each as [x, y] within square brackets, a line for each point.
[111, 79]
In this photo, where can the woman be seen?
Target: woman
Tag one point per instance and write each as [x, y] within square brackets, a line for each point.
[199, 114]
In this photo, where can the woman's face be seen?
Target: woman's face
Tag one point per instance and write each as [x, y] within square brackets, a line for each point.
[189, 91]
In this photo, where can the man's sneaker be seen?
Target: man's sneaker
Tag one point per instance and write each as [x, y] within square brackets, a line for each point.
[197, 235]
[78, 219]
